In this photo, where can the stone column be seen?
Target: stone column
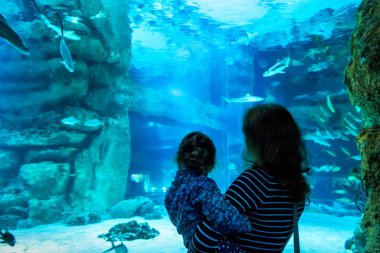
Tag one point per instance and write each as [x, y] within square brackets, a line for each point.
[362, 77]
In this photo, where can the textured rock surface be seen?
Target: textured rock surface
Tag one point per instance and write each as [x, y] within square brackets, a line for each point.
[46, 179]
[363, 81]
[55, 166]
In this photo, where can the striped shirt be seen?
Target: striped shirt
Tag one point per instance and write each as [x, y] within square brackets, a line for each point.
[269, 208]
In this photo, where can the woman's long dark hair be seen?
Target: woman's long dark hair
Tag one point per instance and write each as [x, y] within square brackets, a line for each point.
[273, 142]
[197, 153]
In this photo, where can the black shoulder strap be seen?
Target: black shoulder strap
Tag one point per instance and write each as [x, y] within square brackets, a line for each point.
[295, 228]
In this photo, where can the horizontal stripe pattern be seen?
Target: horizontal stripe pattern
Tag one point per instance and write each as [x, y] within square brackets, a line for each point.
[268, 206]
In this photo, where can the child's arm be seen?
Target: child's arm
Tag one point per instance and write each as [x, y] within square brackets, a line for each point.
[218, 211]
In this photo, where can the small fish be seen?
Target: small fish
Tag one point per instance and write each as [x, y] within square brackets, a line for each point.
[278, 68]
[7, 237]
[93, 123]
[10, 36]
[67, 34]
[321, 141]
[357, 119]
[344, 150]
[324, 112]
[248, 98]
[65, 52]
[350, 124]
[353, 179]
[344, 200]
[72, 19]
[330, 153]
[336, 169]
[340, 192]
[357, 157]
[350, 131]
[69, 121]
[99, 15]
[330, 105]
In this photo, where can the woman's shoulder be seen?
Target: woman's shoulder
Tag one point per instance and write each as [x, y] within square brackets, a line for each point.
[258, 174]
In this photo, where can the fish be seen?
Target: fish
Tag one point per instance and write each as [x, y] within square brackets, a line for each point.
[65, 52]
[67, 34]
[279, 67]
[248, 98]
[336, 169]
[321, 141]
[72, 19]
[340, 192]
[330, 153]
[350, 124]
[350, 131]
[344, 150]
[70, 121]
[344, 200]
[11, 36]
[356, 157]
[330, 105]
[7, 238]
[99, 15]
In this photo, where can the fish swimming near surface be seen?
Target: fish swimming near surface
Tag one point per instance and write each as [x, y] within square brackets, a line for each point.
[248, 98]
[279, 67]
[65, 52]
[7, 238]
[10, 36]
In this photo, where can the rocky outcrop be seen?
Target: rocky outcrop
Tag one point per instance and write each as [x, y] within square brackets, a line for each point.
[362, 78]
[63, 147]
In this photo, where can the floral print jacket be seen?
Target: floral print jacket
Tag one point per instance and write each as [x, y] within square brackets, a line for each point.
[192, 198]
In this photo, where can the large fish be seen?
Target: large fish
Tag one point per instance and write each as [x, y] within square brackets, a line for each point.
[279, 67]
[248, 98]
[65, 52]
[10, 36]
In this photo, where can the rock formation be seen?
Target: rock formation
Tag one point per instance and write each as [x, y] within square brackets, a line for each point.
[362, 78]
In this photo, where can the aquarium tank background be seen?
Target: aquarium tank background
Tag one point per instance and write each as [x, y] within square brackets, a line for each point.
[89, 143]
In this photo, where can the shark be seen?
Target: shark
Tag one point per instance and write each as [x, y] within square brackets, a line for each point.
[11, 36]
[279, 67]
[248, 98]
[65, 52]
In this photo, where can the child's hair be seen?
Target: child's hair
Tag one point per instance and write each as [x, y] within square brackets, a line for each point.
[197, 153]
[274, 142]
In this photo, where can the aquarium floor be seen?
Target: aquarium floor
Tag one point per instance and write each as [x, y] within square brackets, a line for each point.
[318, 232]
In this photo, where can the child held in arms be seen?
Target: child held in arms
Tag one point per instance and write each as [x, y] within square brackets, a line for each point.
[194, 196]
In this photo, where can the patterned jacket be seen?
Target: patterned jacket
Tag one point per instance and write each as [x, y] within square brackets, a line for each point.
[192, 198]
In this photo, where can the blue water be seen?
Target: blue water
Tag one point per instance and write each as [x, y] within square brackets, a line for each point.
[186, 58]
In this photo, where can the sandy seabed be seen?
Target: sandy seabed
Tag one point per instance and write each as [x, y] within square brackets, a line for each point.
[319, 233]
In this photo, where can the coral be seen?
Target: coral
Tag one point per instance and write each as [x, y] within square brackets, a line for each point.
[130, 231]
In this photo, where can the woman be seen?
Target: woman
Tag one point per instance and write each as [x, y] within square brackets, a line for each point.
[193, 196]
[267, 190]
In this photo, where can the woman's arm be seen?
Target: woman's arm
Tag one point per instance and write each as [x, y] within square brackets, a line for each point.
[206, 237]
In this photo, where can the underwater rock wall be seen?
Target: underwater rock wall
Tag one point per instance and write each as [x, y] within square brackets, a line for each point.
[362, 78]
[64, 140]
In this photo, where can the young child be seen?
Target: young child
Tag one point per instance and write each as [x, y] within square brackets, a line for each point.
[193, 197]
